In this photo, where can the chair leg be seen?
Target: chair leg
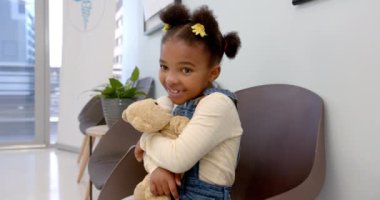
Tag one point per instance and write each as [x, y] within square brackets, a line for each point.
[82, 148]
[83, 164]
[88, 191]
[85, 159]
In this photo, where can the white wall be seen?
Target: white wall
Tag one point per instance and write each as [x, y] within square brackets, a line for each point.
[86, 63]
[328, 46]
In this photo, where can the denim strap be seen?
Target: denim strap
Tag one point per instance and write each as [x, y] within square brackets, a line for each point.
[188, 108]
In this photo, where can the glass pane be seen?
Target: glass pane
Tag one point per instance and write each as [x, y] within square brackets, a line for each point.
[17, 67]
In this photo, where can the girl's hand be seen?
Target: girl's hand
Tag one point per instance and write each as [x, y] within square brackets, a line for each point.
[164, 182]
[139, 153]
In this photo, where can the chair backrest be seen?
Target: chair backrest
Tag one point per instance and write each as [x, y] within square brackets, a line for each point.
[282, 147]
[146, 85]
[109, 150]
[91, 114]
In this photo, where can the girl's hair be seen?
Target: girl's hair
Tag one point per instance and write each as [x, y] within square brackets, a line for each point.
[179, 23]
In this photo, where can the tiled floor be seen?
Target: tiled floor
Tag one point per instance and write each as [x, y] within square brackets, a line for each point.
[40, 174]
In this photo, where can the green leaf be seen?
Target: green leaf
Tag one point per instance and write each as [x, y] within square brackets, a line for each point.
[115, 83]
[140, 93]
[108, 90]
[98, 90]
[135, 74]
[130, 93]
[127, 87]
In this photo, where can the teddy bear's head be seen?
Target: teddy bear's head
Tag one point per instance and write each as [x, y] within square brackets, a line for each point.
[147, 115]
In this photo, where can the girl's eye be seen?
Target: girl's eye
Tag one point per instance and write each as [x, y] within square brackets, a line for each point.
[163, 67]
[186, 70]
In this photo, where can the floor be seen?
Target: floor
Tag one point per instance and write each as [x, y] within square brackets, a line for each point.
[41, 174]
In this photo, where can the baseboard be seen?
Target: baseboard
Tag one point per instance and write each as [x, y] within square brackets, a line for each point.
[66, 147]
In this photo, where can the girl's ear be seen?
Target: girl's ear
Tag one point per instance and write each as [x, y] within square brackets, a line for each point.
[214, 73]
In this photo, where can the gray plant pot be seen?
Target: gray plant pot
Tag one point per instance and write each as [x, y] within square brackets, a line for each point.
[113, 108]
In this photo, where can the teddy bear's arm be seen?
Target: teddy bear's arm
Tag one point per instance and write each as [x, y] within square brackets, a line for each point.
[178, 123]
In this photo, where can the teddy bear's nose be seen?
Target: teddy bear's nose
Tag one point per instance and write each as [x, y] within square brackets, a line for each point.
[156, 103]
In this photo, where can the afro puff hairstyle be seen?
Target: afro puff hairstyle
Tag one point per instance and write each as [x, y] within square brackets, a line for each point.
[180, 21]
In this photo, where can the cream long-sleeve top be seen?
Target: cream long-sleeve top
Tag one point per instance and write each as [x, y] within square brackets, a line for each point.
[212, 137]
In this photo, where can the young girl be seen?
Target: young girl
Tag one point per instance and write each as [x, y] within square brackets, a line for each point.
[207, 149]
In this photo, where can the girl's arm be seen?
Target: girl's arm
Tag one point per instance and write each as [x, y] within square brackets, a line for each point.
[212, 123]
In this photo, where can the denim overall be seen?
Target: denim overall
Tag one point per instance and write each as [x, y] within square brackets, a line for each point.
[192, 188]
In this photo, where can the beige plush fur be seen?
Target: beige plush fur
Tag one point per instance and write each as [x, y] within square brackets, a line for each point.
[148, 117]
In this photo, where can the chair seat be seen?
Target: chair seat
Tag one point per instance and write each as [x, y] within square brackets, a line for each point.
[97, 131]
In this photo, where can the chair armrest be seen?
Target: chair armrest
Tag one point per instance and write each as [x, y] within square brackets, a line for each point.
[116, 141]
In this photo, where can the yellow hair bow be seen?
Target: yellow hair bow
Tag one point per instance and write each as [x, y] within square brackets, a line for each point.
[166, 27]
[199, 29]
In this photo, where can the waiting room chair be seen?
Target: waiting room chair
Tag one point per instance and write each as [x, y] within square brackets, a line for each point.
[117, 144]
[90, 115]
[282, 155]
[146, 85]
[281, 152]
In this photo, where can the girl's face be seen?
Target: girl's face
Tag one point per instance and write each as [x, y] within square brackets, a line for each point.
[185, 70]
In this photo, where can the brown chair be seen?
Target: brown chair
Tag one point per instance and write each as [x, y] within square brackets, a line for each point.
[282, 154]
[114, 146]
[146, 85]
[123, 179]
[90, 115]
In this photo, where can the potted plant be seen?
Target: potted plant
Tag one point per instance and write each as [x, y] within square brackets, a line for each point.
[116, 96]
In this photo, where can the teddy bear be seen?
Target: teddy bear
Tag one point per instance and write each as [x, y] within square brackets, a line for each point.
[147, 116]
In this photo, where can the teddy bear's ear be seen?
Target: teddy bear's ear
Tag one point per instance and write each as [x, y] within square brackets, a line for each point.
[130, 112]
[124, 115]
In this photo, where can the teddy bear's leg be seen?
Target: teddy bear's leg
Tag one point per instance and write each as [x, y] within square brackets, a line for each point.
[149, 196]
[139, 192]
[178, 123]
